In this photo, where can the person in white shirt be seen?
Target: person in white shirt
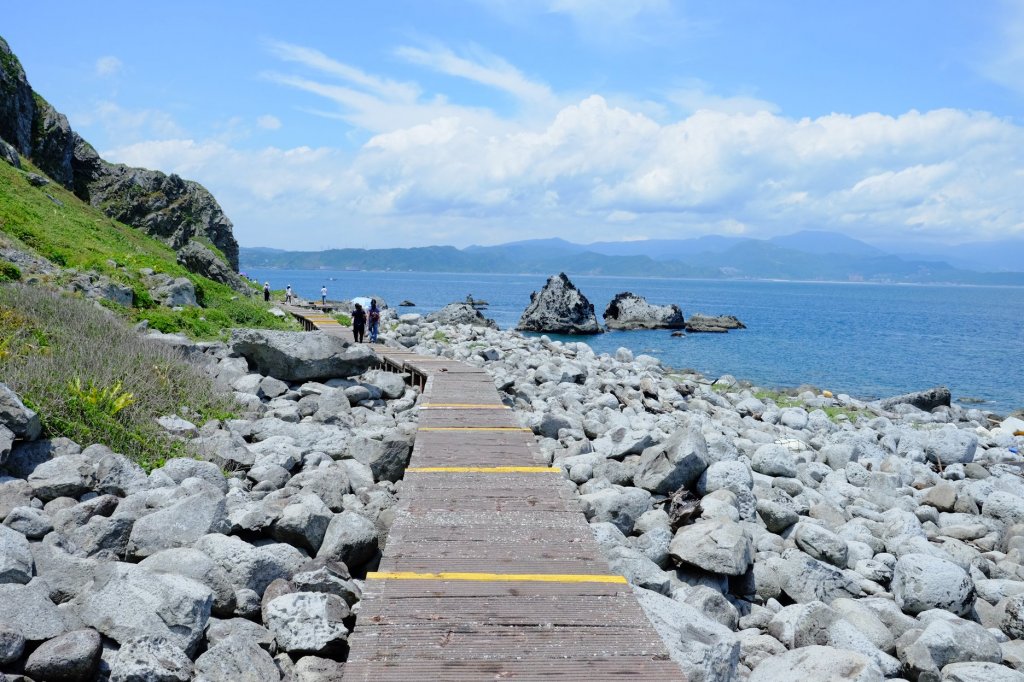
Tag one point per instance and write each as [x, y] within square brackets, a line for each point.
[323, 296]
[288, 294]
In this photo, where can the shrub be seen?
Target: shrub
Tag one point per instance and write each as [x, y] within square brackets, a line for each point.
[9, 272]
[93, 379]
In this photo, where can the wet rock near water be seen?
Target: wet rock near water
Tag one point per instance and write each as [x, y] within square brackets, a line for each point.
[461, 313]
[713, 324]
[630, 311]
[559, 308]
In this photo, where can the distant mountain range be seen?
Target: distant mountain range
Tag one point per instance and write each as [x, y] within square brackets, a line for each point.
[808, 255]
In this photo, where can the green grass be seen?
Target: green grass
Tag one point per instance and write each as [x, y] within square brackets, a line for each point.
[91, 378]
[779, 398]
[343, 319]
[440, 337]
[80, 236]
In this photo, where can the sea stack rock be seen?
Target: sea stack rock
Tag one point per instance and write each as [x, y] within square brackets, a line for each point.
[629, 311]
[699, 322]
[461, 313]
[559, 308]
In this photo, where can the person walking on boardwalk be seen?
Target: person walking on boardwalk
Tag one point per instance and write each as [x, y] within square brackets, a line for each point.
[373, 317]
[358, 323]
[288, 294]
[323, 295]
[266, 292]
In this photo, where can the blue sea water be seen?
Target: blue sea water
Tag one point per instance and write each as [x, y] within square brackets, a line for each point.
[867, 340]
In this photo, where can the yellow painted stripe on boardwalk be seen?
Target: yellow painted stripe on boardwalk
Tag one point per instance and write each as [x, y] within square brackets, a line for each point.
[474, 406]
[485, 470]
[499, 577]
[474, 428]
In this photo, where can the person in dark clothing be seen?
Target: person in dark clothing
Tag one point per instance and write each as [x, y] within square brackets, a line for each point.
[358, 323]
[266, 291]
[374, 319]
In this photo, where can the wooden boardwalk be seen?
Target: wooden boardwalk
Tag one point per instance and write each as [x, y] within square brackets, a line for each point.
[490, 571]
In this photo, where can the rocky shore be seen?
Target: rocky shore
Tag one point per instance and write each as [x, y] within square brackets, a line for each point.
[768, 537]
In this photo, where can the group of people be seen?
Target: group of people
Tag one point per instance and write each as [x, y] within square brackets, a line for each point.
[360, 317]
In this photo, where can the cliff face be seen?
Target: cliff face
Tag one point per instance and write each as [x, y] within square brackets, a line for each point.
[164, 206]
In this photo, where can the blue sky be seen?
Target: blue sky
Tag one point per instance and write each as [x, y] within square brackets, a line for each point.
[483, 121]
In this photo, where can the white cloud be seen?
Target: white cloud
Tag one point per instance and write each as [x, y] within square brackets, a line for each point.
[126, 125]
[485, 68]
[269, 122]
[108, 66]
[696, 95]
[1006, 59]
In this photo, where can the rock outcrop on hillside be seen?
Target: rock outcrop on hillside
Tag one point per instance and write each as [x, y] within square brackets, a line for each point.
[559, 308]
[629, 311]
[164, 206]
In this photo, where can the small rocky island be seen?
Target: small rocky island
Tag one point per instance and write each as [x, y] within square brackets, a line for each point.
[559, 308]
[630, 311]
[720, 324]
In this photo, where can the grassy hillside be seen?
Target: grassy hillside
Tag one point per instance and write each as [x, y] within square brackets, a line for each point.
[54, 223]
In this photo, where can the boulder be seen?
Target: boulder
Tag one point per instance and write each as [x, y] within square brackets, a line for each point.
[980, 672]
[720, 324]
[674, 464]
[817, 663]
[22, 422]
[191, 563]
[921, 582]
[386, 458]
[127, 601]
[301, 356]
[27, 609]
[308, 622]
[12, 645]
[303, 522]
[805, 579]
[177, 292]
[821, 543]
[67, 476]
[950, 640]
[922, 400]
[559, 308]
[719, 546]
[236, 658]
[618, 505]
[71, 657]
[16, 561]
[350, 539]
[771, 459]
[629, 311]
[461, 313]
[705, 650]
[151, 659]
[180, 524]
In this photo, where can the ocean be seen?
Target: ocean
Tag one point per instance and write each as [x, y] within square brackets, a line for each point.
[866, 340]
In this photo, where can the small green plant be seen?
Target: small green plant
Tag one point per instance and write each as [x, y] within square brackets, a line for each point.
[779, 398]
[9, 272]
[109, 400]
[343, 319]
[440, 337]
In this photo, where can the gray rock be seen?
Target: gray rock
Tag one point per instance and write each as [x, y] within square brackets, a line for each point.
[308, 622]
[180, 524]
[67, 476]
[817, 663]
[922, 582]
[115, 474]
[699, 322]
[28, 610]
[224, 450]
[16, 562]
[1004, 506]
[236, 659]
[26, 456]
[317, 669]
[12, 644]
[777, 517]
[386, 458]
[221, 630]
[800, 625]
[63, 575]
[68, 658]
[248, 566]
[461, 313]
[771, 459]
[20, 420]
[303, 522]
[191, 563]
[821, 544]
[202, 261]
[676, 463]
[127, 601]
[392, 386]
[949, 445]
[950, 640]
[176, 426]
[180, 468]
[618, 505]
[178, 292]
[350, 538]
[629, 311]
[330, 484]
[705, 650]
[151, 659]
[712, 604]
[1012, 622]
[301, 356]
[805, 579]
[329, 577]
[730, 475]
[980, 672]
[922, 400]
[719, 546]
[559, 308]
[6, 444]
